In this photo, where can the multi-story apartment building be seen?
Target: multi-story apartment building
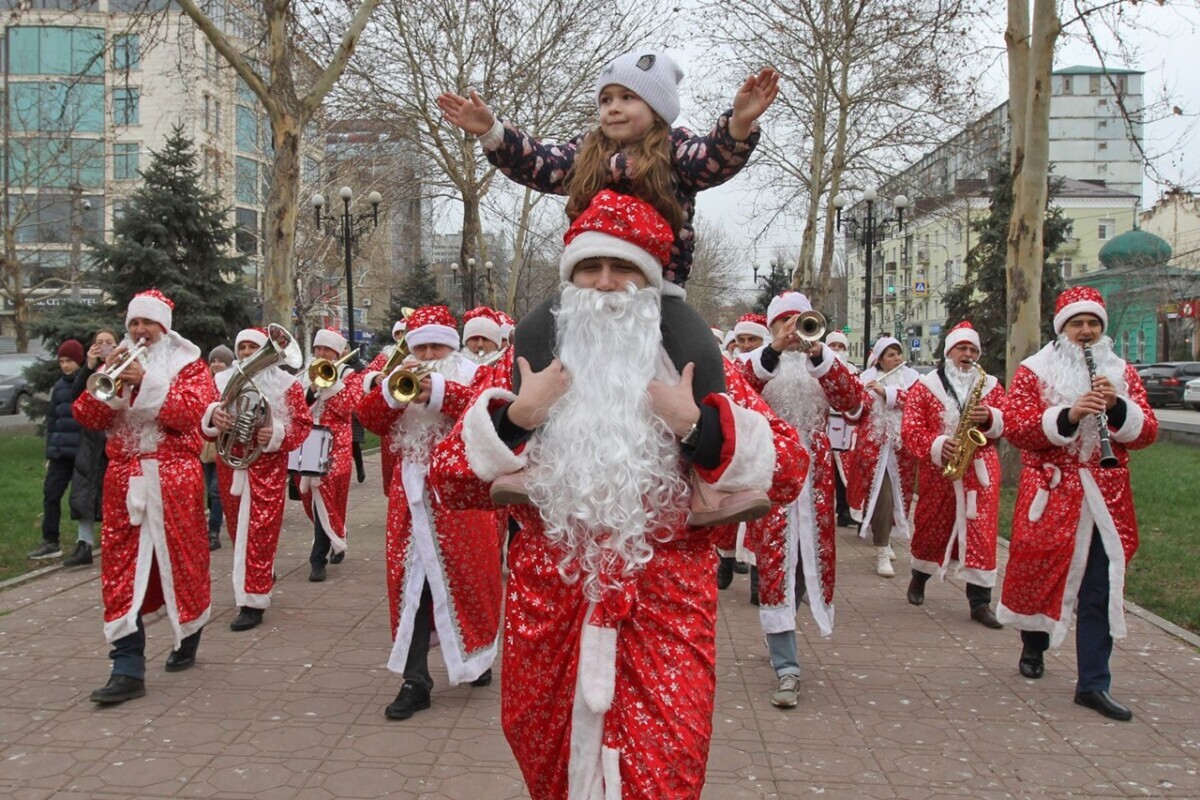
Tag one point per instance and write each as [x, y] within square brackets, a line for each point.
[1092, 148]
[442, 255]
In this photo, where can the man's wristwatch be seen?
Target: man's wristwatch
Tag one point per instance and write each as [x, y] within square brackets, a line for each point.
[692, 436]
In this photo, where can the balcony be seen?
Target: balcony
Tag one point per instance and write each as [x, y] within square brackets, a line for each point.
[890, 266]
[1069, 245]
[923, 255]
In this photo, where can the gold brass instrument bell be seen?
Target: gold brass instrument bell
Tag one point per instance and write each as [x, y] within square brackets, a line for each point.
[810, 327]
[323, 373]
[404, 385]
[105, 383]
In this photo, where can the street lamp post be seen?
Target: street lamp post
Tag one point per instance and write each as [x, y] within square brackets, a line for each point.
[469, 284]
[776, 280]
[868, 228]
[353, 226]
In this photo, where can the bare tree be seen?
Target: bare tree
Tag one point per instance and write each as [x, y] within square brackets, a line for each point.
[291, 89]
[720, 275]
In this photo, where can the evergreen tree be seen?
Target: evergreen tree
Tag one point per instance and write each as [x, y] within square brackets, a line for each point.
[175, 235]
[983, 296]
[417, 289]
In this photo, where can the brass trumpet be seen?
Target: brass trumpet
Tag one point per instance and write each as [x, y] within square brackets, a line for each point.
[404, 385]
[810, 327]
[324, 373]
[105, 383]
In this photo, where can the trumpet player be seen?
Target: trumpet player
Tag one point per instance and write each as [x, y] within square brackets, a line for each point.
[154, 542]
[1074, 529]
[443, 566]
[843, 459]
[957, 516]
[481, 334]
[884, 471]
[387, 458]
[332, 404]
[795, 545]
[253, 495]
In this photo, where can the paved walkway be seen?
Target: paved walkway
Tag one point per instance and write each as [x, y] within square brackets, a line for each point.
[901, 702]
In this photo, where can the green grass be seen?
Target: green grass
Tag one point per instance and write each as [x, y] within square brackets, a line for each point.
[1164, 575]
[22, 470]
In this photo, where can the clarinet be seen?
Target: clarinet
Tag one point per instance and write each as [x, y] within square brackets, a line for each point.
[1107, 459]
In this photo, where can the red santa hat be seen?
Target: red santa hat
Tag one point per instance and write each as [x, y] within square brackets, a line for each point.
[837, 337]
[432, 325]
[881, 344]
[752, 324]
[619, 226]
[1079, 300]
[256, 335]
[507, 325]
[786, 304]
[962, 332]
[482, 321]
[331, 338]
[152, 305]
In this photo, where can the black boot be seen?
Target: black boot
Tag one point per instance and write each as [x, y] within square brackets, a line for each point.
[214, 540]
[411, 699]
[119, 689]
[360, 473]
[753, 586]
[246, 619]
[724, 572]
[1032, 664]
[916, 588]
[317, 573]
[185, 656]
[740, 568]
[483, 680]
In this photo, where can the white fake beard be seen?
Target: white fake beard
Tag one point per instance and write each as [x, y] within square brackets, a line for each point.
[1066, 379]
[797, 396]
[138, 428]
[604, 470]
[962, 381]
[419, 428]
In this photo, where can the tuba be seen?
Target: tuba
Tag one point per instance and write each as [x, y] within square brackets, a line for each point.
[245, 402]
[966, 435]
[105, 383]
[324, 373]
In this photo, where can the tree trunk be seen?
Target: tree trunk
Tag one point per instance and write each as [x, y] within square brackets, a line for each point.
[1030, 190]
[803, 278]
[837, 165]
[518, 251]
[279, 245]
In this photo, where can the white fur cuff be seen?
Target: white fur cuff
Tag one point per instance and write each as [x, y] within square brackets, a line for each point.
[935, 452]
[206, 426]
[494, 136]
[1050, 426]
[996, 429]
[892, 394]
[277, 434]
[488, 456]
[1135, 418]
[827, 361]
[756, 364]
[753, 464]
[437, 391]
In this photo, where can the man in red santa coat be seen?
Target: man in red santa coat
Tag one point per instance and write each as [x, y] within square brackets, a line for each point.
[154, 540]
[796, 545]
[325, 496]
[956, 519]
[610, 617]
[842, 431]
[443, 565]
[1074, 528]
[884, 471]
[253, 496]
[387, 458]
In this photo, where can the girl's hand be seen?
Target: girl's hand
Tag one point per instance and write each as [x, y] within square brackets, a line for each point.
[470, 114]
[755, 97]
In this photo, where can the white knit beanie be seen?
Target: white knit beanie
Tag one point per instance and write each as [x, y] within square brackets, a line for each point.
[653, 76]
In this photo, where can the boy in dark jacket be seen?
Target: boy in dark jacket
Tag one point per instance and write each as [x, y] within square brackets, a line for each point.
[62, 443]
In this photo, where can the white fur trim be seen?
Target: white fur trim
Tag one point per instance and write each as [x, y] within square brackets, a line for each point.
[432, 334]
[1037, 506]
[594, 244]
[828, 359]
[996, 429]
[585, 764]
[398, 326]
[972, 505]
[206, 426]
[437, 391]
[487, 455]
[787, 303]
[751, 328]
[1082, 307]
[337, 541]
[241, 488]
[610, 767]
[1050, 426]
[143, 306]
[802, 525]
[278, 431]
[892, 394]
[935, 451]
[979, 577]
[482, 326]
[981, 473]
[331, 339]
[1135, 418]
[597, 666]
[752, 466]
[930, 568]
[250, 335]
[961, 335]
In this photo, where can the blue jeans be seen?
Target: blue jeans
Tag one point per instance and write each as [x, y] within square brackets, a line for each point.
[215, 513]
[128, 653]
[782, 647]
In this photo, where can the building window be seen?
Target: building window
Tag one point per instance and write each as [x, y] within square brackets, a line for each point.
[56, 107]
[1094, 84]
[1065, 266]
[312, 170]
[247, 130]
[125, 161]
[56, 51]
[126, 103]
[207, 111]
[1125, 345]
[1107, 229]
[127, 52]
[217, 117]
[119, 208]
[247, 181]
[246, 237]
[1141, 347]
[1066, 84]
[1122, 84]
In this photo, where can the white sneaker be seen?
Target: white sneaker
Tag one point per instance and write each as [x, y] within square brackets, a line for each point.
[891, 553]
[883, 565]
[788, 693]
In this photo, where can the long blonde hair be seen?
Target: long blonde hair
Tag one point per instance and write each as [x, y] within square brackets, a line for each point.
[653, 177]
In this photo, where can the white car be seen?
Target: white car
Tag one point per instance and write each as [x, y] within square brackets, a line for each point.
[1191, 394]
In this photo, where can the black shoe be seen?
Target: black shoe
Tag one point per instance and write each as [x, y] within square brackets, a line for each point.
[986, 617]
[337, 558]
[214, 540]
[1032, 664]
[724, 572]
[412, 698]
[246, 619]
[740, 567]
[1104, 703]
[81, 557]
[483, 680]
[916, 591]
[179, 660]
[119, 689]
[754, 586]
[317, 573]
[44, 551]
[845, 521]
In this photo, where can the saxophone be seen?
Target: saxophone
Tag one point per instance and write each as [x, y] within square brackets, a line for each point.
[967, 436]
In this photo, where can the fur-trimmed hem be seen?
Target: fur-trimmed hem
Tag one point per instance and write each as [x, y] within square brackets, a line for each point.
[487, 455]
[778, 619]
[935, 450]
[752, 466]
[1050, 427]
[260, 601]
[978, 577]
[1135, 418]
[928, 567]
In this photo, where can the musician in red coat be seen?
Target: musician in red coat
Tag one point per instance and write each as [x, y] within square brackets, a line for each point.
[154, 532]
[443, 565]
[796, 547]
[843, 459]
[253, 496]
[1074, 529]
[956, 520]
[610, 617]
[387, 457]
[325, 496]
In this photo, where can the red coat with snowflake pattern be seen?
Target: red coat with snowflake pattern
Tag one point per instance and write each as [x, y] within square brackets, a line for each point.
[387, 459]
[334, 408]
[879, 453]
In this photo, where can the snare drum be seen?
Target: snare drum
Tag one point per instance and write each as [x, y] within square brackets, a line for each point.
[313, 456]
[841, 433]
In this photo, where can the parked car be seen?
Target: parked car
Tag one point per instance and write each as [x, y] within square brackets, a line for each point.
[1164, 381]
[1191, 394]
[15, 393]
